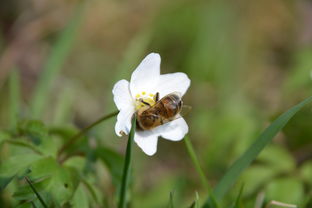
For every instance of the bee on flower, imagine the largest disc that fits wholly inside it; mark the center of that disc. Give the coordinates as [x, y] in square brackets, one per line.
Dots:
[156, 100]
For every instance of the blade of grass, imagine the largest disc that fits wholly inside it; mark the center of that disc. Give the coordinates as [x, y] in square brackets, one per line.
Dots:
[253, 151]
[171, 204]
[195, 161]
[14, 98]
[127, 168]
[195, 204]
[36, 192]
[237, 203]
[55, 62]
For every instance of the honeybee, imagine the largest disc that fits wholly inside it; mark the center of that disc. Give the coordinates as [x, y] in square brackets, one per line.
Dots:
[163, 111]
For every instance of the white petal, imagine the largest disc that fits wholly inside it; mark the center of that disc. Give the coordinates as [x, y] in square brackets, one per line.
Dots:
[174, 82]
[123, 123]
[146, 75]
[147, 141]
[174, 130]
[122, 96]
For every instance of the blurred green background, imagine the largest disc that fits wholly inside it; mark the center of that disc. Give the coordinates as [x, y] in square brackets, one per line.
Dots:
[248, 62]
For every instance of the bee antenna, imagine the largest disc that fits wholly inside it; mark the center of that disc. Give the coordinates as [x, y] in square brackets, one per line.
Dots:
[156, 98]
[146, 103]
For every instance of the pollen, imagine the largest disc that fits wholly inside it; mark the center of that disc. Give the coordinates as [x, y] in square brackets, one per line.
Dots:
[144, 99]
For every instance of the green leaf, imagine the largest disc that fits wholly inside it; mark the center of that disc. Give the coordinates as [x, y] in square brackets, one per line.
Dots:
[257, 176]
[17, 163]
[126, 170]
[253, 151]
[306, 172]
[55, 62]
[56, 184]
[277, 158]
[114, 162]
[286, 190]
[80, 199]
[4, 181]
[92, 190]
[24, 144]
[33, 130]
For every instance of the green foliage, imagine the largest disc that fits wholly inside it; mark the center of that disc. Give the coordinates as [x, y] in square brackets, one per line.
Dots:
[55, 62]
[233, 60]
[252, 152]
[238, 201]
[113, 161]
[286, 189]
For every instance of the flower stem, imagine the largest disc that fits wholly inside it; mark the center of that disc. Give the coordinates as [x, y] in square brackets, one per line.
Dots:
[76, 137]
[127, 167]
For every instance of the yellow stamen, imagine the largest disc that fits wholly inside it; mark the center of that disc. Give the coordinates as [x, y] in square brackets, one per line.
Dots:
[143, 93]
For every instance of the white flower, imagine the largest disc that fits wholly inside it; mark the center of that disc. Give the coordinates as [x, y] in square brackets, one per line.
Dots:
[145, 82]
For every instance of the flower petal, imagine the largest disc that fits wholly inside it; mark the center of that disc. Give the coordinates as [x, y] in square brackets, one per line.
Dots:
[122, 96]
[146, 75]
[174, 82]
[174, 130]
[147, 141]
[123, 124]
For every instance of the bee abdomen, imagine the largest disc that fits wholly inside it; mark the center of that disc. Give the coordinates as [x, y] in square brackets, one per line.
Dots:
[172, 104]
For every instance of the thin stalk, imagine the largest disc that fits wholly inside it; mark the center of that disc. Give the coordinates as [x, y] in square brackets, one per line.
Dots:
[195, 162]
[76, 137]
[36, 192]
[127, 167]
[199, 170]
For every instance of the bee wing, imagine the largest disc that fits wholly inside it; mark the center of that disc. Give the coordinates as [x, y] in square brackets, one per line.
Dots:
[185, 110]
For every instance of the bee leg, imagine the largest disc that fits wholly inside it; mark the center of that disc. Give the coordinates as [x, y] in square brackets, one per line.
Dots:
[156, 97]
[146, 103]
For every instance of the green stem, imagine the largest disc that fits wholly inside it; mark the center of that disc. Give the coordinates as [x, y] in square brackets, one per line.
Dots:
[198, 168]
[36, 192]
[195, 161]
[126, 170]
[76, 137]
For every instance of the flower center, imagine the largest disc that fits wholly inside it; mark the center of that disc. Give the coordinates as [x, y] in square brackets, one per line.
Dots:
[144, 99]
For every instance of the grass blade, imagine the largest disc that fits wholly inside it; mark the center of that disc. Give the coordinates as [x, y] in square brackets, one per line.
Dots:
[237, 203]
[212, 203]
[126, 170]
[253, 151]
[171, 204]
[14, 83]
[36, 192]
[195, 162]
[54, 63]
